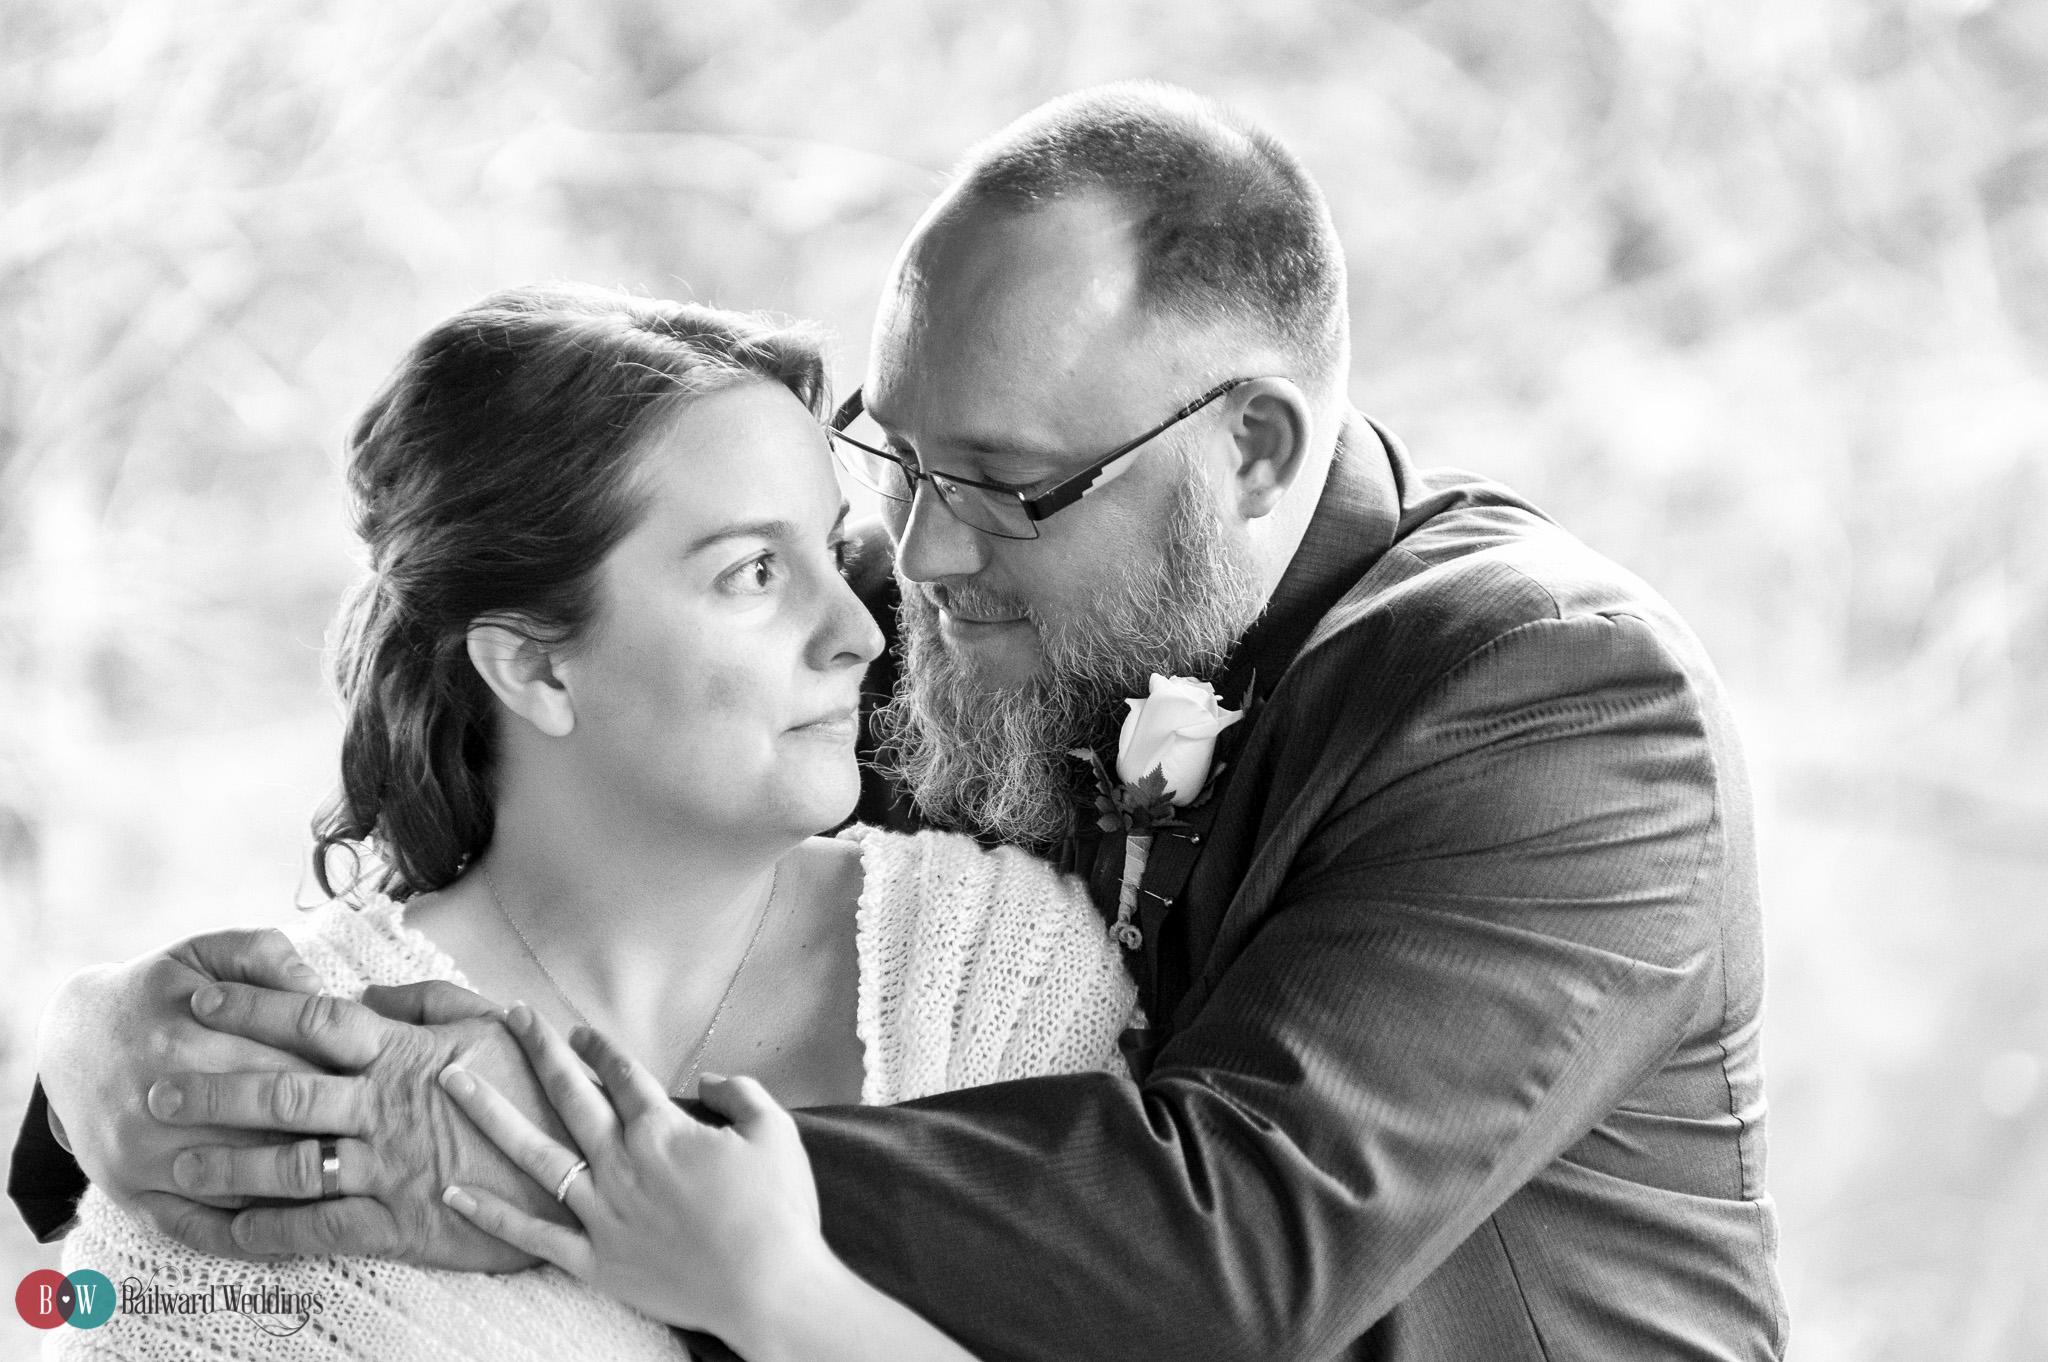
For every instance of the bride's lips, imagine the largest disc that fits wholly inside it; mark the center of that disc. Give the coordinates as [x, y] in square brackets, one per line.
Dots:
[839, 725]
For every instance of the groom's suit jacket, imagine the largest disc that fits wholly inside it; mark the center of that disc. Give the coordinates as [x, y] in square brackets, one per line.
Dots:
[1461, 1000]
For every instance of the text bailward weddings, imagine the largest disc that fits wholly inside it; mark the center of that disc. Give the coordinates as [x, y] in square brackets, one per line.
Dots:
[138, 1297]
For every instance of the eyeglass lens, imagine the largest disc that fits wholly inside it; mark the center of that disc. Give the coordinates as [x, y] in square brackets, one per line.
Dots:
[995, 513]
[872, 471]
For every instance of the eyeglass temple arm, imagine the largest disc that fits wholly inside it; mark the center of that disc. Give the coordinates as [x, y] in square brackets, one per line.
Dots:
[1074, 488]
[853, 406]
[1056, 498]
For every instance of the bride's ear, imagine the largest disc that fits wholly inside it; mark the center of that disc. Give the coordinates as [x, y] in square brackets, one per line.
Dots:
[521, 672]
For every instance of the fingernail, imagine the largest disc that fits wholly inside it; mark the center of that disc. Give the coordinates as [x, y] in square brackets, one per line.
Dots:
[164, 1100]
[460, 1200]
[304, 974]
[185, 1169]
[519, 1017]
[208, 1000]
[456, 1079]
[580, 1036]
[706, 1076]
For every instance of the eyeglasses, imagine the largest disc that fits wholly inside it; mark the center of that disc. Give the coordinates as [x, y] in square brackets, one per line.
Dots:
[989, 507]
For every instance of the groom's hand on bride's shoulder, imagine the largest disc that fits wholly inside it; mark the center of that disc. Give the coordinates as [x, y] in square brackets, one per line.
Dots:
[399, 1139]
[113, 1030]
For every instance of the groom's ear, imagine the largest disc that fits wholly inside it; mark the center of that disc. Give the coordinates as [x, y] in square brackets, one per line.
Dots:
[1271, 424]
[520, 671]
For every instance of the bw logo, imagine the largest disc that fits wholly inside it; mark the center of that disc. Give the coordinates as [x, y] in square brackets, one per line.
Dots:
[46, 1299]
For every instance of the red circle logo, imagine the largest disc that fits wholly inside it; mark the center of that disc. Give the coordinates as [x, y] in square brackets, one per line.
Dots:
[44, 1298]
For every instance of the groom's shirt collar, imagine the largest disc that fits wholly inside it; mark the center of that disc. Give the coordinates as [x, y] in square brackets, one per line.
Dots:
[1354, 523]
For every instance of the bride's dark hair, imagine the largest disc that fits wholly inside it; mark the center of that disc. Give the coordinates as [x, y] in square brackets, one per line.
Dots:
[490, 476]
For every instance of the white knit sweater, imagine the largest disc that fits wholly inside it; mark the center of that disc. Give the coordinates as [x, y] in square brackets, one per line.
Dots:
[975, 967]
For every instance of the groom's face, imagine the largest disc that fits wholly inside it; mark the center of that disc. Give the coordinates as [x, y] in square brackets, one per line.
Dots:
[1013, 348]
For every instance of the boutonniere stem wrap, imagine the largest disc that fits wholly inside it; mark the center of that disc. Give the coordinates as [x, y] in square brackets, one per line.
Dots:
[1164, 759]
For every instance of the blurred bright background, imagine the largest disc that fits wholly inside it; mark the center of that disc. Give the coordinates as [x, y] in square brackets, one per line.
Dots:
[1751, 294]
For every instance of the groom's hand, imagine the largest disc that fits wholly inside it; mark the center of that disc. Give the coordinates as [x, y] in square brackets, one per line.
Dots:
[112, 1030]
[401, 1141]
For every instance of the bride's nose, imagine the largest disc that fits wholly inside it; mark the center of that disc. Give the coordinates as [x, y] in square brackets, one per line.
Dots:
[847, 635]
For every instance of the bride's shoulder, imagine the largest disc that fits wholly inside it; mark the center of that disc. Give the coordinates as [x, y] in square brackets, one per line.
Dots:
[829, 860]
[929, 850]
[822, 872]
[949, 873]
[886, 863]
[352, 943]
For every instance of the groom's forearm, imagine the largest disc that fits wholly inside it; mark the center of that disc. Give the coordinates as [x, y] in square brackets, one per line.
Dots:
[1263, 1196]
[43, 1180]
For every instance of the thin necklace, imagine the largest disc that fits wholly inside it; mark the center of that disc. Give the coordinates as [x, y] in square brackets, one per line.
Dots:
[704, 1041]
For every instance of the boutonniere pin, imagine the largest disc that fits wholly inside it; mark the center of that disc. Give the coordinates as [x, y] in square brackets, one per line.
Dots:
[1164, 761]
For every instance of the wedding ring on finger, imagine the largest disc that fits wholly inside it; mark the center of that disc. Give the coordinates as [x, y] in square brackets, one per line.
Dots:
[330, 1169]
[562, 1187]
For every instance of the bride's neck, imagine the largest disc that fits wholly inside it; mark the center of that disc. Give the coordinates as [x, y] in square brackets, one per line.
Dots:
[614, 904]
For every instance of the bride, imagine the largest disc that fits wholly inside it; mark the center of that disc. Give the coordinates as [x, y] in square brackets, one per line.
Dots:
[601, 689]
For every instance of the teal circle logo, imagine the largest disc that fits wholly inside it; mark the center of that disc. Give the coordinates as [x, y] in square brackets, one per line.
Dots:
[92, 1299]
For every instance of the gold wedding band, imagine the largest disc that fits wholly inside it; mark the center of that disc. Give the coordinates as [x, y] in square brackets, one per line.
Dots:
[562, 1187]
[330, 1169]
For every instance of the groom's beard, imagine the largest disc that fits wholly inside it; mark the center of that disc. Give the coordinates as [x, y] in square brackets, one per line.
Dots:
[994, 761]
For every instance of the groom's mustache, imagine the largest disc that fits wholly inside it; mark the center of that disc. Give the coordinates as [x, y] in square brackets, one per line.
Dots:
[972, 603]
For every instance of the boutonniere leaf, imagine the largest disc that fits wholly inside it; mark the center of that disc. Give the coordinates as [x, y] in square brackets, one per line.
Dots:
[1131, 806]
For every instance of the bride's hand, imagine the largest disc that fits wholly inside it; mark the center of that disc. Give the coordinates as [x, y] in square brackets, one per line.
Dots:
[700, 1226]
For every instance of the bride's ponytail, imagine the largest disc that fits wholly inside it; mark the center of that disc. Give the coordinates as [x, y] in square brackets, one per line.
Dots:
[414, 751]
[491, 477]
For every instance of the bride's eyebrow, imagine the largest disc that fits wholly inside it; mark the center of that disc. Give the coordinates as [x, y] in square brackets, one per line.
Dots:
[761, 529]
[751, 529]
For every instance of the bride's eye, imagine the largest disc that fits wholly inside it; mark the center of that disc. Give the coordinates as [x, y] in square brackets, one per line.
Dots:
[755, 575]
[842, 554]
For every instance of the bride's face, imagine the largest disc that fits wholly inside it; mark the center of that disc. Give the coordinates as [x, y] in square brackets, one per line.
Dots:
[719, 683]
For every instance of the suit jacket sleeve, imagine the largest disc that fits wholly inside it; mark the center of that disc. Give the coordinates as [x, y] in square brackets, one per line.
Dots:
[1504, 922]
[43, 1180]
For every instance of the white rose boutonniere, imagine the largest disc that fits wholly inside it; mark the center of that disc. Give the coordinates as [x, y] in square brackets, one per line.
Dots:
[1164, 761]
[1173, 731]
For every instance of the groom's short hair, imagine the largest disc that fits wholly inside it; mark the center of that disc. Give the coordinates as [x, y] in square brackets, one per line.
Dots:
[1231, 228]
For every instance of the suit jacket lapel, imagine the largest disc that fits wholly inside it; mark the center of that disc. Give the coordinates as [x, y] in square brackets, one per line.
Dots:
[1286, 775]
[1353, 526]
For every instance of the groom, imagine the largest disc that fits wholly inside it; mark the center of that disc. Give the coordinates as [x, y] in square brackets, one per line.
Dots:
[1453, 980]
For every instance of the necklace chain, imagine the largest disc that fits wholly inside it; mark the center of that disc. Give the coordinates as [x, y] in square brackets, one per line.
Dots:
[704, 1041]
